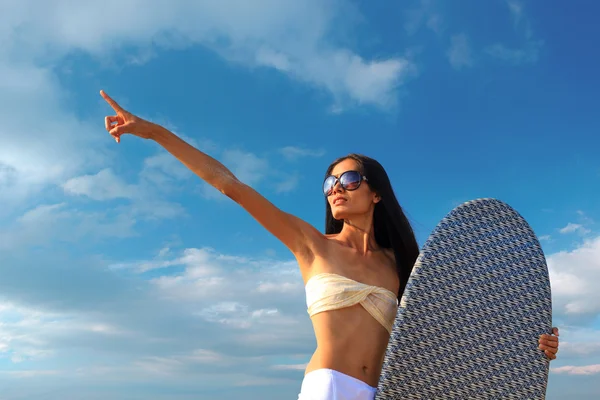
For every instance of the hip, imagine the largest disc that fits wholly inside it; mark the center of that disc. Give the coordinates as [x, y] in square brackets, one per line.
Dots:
[330, 384]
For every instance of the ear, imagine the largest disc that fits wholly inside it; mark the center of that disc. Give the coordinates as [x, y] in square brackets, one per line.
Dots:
[376, 198]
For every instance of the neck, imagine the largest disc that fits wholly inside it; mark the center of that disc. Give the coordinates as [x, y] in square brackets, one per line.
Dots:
[358, 233]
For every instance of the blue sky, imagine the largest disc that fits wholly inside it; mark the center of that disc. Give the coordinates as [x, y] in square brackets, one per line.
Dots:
[123, 276]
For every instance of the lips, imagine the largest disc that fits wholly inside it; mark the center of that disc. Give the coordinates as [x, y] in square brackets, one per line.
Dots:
[338, 200]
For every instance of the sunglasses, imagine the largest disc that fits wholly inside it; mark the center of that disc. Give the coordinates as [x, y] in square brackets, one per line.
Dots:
[349, 180]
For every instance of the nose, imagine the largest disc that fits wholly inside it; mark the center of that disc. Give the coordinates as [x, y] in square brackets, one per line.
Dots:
[337, 187]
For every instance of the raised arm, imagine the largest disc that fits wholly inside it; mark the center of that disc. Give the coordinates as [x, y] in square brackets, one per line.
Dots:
[299, 236]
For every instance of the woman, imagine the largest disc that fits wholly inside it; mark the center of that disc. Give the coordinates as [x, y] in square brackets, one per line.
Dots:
[354, 274]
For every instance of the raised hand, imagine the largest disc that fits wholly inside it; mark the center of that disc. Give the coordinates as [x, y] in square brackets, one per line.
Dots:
[549, 343]
[124, 122]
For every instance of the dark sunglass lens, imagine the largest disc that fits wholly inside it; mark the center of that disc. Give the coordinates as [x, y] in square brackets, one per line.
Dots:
[328, 185]
[350, 180]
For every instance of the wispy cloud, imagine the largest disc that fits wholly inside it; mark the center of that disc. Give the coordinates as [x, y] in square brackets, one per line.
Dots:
[572, 228]
[529, 53]
[164, 171]
[516, 11]
[424, 13]
[257, 170]
[45, 223]
[293, 153]
[246, 166]
[459, 53]
[287, 184]
[30, 373]
[584, 218]
[583, 349]
[104, 185]
[526, 54]
[147, 197]
[295, 367]
[578, 370]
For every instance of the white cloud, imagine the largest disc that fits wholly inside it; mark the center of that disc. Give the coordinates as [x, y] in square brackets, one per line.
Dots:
[516, 10]
[581, 349]
[272, 58]
[198, 261]
[236, 315]
[253, 171]
[579, 346]
[293, 153]
[162, 169]
[30, 373]
[573, 275]
[246, 166]
[424, 13]
[27, 333]
[42, 141]
[435, 22]
[294, 367]
[367, 82]
[288, 184]
[45, 223]
[104, 185]
[459, 53]
[584, 219]
[46, 143]
[243, 296]
[572, 228]
[211, 324]
[227, 289]
[147, 198]
[525, 55]
[529, 52]
[578, 370]
[276, 287]
[286, 35]
[218, 276]
[38, 215]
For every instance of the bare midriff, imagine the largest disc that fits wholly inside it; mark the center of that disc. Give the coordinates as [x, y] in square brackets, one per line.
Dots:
[350, 341]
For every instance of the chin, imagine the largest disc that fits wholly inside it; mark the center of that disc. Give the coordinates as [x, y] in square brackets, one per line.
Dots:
[339, 214]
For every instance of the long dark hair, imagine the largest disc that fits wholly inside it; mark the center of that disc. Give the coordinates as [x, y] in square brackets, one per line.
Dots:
[390, 225]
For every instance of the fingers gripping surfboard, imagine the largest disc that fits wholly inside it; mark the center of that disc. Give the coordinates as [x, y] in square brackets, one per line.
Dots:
[473, 310]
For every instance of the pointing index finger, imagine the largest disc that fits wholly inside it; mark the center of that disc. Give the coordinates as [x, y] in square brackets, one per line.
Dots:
[110, 101]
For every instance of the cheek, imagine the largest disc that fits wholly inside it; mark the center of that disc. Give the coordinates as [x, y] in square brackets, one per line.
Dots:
[362, 200]
[364, 195]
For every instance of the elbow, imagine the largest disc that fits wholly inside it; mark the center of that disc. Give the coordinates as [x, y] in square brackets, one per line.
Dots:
[231, 188]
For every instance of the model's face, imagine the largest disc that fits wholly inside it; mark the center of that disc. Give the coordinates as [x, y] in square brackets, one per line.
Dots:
[347, 203]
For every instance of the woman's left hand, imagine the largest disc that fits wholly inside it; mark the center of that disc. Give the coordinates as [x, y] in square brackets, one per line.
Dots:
[549, 343]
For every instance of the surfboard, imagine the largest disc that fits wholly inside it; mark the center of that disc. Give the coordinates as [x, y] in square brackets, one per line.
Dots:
[472, 312]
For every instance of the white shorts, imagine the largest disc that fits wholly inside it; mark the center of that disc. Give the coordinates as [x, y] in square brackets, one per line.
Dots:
[328, 384]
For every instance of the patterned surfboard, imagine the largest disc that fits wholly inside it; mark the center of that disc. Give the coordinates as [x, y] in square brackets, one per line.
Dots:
[473, 310]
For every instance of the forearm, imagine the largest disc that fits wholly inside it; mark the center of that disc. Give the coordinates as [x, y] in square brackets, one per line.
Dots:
[203, 165]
